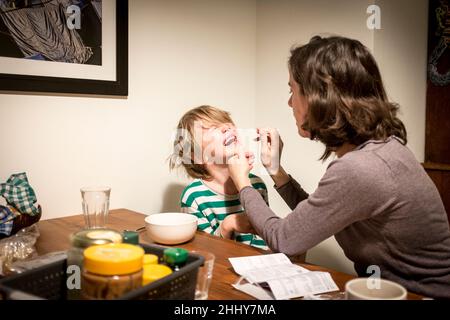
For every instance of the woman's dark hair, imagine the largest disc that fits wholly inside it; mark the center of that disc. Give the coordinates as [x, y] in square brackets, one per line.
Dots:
[345, 94]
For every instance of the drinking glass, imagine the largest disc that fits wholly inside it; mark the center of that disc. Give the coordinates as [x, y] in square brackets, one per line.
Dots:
[204, 275]
[95, 206]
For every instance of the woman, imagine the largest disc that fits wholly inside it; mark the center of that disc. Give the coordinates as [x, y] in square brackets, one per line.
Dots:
[375, 197]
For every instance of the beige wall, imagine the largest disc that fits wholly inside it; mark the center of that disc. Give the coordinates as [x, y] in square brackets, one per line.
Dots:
[400, 48]
[232, 54]
[182, 54]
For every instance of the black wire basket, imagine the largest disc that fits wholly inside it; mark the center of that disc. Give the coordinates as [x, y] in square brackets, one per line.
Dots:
[49, 282]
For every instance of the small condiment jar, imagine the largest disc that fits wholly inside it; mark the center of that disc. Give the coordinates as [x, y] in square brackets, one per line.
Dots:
[175, 258]
[153, 272]
[150, 259]
[131, 237]
[111, 270]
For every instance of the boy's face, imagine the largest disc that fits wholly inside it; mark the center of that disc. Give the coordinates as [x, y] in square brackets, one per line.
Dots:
[219, 142]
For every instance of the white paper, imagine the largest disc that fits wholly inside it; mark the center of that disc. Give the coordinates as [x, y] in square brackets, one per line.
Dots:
[253, 290]
[243, 264]
[285, 279]
[271, 273]
[302, 285]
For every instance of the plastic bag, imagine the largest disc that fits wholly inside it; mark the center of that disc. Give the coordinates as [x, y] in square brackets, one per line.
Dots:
[39, 261]
[18, 247]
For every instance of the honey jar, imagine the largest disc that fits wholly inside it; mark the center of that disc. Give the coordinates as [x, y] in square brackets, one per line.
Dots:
[82, 240]
[111, 270]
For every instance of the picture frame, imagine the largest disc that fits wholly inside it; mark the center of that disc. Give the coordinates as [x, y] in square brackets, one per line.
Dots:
[118, 86]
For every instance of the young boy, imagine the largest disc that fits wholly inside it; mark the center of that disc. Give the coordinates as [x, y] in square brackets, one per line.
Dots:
[206, 138]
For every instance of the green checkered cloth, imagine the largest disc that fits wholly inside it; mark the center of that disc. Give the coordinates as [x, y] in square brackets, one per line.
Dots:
[19, 194]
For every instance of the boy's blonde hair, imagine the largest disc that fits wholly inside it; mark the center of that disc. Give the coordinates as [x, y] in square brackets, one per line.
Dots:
[185, 137]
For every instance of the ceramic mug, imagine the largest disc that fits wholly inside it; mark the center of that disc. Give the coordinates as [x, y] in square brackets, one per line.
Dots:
[374, 289]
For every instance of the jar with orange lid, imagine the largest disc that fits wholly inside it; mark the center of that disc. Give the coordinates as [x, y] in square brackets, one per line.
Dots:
[111, 270]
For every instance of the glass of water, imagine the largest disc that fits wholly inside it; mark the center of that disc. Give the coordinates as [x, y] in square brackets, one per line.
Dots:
[95, 201]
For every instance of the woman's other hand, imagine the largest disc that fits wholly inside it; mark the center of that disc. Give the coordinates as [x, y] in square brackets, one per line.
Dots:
[239, 167]
[271, 150]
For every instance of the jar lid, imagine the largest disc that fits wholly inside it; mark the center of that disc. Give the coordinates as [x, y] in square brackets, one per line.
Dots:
[113, 259]
[174, 256]
[90, 237]
[150, 259]
[131, 237]
[153, 272]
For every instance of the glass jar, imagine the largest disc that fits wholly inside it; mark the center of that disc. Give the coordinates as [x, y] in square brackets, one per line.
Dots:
[82, 240]
[86, 238]
[111, 270]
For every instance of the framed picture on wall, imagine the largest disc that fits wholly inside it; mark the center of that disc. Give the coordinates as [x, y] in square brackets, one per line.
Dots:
[64, 46]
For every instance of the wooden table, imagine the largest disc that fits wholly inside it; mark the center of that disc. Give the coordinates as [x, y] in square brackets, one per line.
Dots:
[55, 237]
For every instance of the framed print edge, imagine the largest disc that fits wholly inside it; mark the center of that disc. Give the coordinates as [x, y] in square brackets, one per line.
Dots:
[18, 83]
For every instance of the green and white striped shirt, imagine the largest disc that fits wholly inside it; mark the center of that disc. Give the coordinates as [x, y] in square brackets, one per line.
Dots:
[211, 208]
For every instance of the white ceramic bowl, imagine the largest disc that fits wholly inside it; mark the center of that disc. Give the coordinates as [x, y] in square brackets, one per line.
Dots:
[171, 227]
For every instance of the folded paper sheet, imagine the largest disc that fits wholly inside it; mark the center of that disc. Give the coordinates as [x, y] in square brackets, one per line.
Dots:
[273, 276]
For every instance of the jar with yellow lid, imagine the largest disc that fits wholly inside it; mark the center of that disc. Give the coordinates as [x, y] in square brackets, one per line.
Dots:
[111, 270]
[84, 239]
[153, 272]
[150, 259]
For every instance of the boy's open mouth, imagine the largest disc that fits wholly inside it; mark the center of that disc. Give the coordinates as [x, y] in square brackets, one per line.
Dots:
[230, 139]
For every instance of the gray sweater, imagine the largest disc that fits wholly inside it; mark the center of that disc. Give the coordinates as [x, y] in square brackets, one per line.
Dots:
[383, 210]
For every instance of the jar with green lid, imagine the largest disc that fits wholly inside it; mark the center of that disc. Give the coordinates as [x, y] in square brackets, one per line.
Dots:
[175, 258]
[131, 237]
[111, 270]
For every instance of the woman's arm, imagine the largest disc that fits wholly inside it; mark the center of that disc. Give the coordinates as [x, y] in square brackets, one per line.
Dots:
[342, 198]
[280, 178]
[292, 193]
[345, 195]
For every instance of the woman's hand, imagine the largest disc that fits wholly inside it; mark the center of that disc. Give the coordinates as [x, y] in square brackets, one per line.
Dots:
[239, 167]
[271, 149]
[237, 222]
